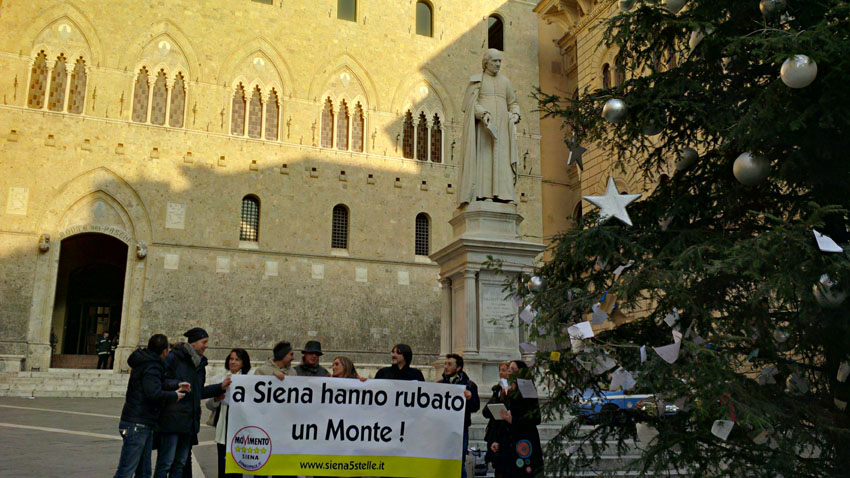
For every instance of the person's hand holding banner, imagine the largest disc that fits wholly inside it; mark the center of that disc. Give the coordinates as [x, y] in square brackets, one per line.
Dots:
[341, 427]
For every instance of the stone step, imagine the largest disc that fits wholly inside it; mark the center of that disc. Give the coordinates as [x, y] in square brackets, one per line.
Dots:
[64, 383]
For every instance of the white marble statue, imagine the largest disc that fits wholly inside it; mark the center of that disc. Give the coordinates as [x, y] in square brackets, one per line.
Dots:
[489, 151]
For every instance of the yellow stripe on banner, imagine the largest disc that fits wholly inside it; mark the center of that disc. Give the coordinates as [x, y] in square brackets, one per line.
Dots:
[334, 465]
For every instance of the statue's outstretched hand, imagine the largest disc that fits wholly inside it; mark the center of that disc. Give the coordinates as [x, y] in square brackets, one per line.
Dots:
[515, 118]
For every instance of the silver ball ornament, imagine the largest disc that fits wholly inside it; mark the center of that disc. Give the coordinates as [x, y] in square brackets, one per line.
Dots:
[770, 8]
[614, 110]
[798, 71]
[750, 169]
[688, 157]
[825, 293]
[675, 5]
[626, 5]
[536, 283]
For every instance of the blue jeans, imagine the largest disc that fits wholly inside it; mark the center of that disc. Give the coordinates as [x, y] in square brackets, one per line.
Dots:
[465, 451]
[172, 454]
[136, 450]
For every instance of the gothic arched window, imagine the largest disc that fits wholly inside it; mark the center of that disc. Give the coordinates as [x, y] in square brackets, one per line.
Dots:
[58, 81]
[422, 138]
[436, 140]
[237, 111]
[358, 129]
[255, 114]
[77, 96]
[178, 102]
[272, 116]
[408, 133]
[141, 92]
[38, 82]
[160, 99]
[342, 126]
[328, 124]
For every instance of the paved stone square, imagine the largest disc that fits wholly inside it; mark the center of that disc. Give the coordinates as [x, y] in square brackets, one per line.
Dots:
[74, 438]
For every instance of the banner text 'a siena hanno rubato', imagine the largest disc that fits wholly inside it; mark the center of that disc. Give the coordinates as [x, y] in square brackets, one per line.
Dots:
[344, 427]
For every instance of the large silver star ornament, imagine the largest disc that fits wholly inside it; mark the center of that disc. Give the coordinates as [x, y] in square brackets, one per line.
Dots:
[613, 204]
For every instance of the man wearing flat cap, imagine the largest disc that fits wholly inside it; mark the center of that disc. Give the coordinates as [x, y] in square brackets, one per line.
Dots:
[180, 422]
[310, 361]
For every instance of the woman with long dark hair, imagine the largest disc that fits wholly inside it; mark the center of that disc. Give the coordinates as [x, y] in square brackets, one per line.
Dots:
[520, 448]
[237, 363]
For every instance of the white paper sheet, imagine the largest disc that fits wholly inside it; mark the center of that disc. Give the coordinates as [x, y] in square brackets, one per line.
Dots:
[621, 378]
[766, 377]
[843, 371]
[642, 353]
[582, 330]
[672, 318]
[528, 348]
[619, 270]
[527, 315]
[670, 353]
[722, 428]
[602, 364]
[826, 244]
[495, 408]
[646, 434]
[526, 388]
[599, 316]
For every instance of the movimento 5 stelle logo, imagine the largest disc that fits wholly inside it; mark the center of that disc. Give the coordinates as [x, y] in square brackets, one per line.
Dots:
[251, 448]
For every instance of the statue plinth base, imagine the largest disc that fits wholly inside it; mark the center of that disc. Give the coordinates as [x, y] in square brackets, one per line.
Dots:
[478, 321]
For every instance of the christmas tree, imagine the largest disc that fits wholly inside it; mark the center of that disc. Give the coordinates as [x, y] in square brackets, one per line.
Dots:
[732, 310]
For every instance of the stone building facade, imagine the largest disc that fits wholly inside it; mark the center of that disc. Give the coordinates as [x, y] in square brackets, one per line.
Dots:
[275, 169]
[574, 59]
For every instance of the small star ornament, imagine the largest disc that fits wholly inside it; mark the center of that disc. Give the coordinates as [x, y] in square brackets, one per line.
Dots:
[576, 151]
[613, 204]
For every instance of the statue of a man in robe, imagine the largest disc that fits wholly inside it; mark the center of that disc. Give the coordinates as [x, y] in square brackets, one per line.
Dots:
[489, 151]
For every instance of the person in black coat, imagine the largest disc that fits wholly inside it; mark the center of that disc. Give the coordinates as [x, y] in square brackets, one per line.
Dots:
[497, 430]
[400, 369]
[180, 423]
[147, 391]
[523, 454]
[453, 373]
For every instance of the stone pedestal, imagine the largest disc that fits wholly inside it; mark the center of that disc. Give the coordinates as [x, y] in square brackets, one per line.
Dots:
[478, 321]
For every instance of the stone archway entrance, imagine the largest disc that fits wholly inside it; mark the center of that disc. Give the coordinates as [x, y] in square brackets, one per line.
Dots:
[100, 204]
[89, 295]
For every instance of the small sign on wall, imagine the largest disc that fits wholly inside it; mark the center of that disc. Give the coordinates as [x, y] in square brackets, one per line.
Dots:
[175, 217]
[16, 204]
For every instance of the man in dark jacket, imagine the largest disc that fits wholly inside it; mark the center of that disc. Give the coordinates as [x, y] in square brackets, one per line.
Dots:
[180, 423]
[453, 373]
[310, 361]
[402, 354]
[104, 348]
[145, 396]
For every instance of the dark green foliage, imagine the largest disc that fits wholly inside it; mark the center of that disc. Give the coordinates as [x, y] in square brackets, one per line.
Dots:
[738, 262]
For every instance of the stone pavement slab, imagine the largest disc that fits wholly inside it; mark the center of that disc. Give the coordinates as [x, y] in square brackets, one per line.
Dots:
[74, 438]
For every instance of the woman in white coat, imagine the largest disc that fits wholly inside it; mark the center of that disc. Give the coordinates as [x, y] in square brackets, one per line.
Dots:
[237, 363]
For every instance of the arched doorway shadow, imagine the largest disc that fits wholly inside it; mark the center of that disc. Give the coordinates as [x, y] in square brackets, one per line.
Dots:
[89, 295]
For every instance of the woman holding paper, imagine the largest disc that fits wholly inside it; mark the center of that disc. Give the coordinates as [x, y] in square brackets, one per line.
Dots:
[520, 445]
[497, 429]
[237, 363]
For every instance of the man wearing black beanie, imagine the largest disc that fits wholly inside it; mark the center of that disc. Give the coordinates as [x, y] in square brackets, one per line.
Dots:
[180, 422]
[280, 364]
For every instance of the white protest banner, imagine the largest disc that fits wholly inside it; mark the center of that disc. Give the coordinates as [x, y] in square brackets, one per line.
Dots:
[344, 427]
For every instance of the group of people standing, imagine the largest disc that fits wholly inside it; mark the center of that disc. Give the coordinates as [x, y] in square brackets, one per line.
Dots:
[163, 408]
